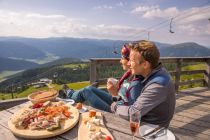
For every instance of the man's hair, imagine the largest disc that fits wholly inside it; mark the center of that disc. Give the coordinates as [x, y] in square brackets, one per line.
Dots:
[148, 50]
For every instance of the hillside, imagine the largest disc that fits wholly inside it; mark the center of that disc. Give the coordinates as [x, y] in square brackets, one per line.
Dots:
[10, 66]
[185, 50]
[19, 50]
[61, 61]
[7, 64]
[60, 74]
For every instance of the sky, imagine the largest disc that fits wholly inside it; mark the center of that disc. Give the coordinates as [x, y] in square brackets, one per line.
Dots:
[108, 19]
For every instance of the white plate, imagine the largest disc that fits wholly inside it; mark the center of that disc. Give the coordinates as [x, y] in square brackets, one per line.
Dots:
[69, 101]
[83, 110]
[163, 135]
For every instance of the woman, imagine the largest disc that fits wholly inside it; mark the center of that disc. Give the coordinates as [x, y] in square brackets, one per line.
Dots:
[127, 89]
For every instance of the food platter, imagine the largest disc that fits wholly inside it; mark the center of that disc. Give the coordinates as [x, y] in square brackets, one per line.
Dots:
[65, 125]
[86, 132]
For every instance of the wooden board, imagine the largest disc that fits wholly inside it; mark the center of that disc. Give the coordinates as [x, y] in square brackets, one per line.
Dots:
[37, 134]
[83, 129]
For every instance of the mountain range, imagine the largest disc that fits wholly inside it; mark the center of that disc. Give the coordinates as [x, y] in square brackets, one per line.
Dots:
[13, 48]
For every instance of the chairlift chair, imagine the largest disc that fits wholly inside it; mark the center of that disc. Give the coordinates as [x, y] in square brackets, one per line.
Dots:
[170, 30]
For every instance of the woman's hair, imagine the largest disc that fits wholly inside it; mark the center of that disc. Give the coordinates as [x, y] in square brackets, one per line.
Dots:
[125, 52]
[148, 50]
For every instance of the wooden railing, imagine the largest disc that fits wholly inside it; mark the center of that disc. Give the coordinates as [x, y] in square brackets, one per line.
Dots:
[95, 62]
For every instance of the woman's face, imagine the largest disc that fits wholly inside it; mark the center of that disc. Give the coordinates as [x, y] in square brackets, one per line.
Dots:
[125, 64]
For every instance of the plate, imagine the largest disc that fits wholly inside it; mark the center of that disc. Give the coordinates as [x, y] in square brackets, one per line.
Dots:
[69, 101]
[169, 136]
[83, 129]
[39, 134]
[83, 110]
[164, 135]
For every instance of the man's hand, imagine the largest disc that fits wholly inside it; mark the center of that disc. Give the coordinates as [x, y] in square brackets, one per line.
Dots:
[112, 89]
[113, 107]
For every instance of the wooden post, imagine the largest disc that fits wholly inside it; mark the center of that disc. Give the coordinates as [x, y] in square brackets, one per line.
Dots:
[12, 92]
[178, 73]
[93, 72]
[207, 76]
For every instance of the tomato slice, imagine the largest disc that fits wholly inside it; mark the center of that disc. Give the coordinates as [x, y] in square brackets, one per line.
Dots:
[108, 138]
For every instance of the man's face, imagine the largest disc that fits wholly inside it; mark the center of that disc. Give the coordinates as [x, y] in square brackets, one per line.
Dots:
[135, 65]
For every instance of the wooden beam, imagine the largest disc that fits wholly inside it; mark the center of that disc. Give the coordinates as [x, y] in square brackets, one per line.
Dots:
[177, 75]
[207, 75]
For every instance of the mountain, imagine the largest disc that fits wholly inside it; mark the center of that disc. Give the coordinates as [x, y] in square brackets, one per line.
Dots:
[84, 48]
[14, 49]
[7, 64]
[189, 49]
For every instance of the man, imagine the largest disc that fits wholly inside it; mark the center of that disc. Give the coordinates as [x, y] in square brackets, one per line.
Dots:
[156, 102]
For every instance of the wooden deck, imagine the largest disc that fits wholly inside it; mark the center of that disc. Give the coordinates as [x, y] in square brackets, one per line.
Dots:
[191, 120]
[192, 115]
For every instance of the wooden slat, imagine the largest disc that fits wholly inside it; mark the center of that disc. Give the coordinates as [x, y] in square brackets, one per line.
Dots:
[119, 135]
[6, 134]
[185, 134]
[192, 72]
[72, 134]
[191, 81]
[4, 117]
[197, 99]
[194, 128]
[118, 125]
[200, 122]
[194, 105]
[173, 73]
[190, 111]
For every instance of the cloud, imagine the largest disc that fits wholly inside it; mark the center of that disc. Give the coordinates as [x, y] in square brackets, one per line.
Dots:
[194, 14]
[35, 15]
[103, 7]
[151, 12]
[192, 21]
[121, 4]
[41, 26]
[141, 9]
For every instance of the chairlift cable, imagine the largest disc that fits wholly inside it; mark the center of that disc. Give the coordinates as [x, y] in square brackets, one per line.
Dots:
[168, 20]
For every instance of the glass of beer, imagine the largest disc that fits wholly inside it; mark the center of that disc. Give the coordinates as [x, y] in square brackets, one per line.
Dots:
[134, 122]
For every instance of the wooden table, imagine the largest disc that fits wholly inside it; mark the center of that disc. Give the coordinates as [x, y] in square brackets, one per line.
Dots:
[117, 126]
[191, 120]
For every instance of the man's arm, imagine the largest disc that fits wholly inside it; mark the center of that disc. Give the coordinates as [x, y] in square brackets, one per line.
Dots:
[151, 97]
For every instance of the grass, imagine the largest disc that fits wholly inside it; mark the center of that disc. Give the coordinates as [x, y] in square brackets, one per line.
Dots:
[74, 66]
[198, 66]
[75, 86]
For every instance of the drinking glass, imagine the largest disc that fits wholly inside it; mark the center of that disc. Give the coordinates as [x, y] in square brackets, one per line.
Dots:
[134, 122]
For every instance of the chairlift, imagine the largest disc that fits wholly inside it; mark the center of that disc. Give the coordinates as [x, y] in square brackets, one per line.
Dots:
[170, 30]
[114, 49]
[115, 52]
